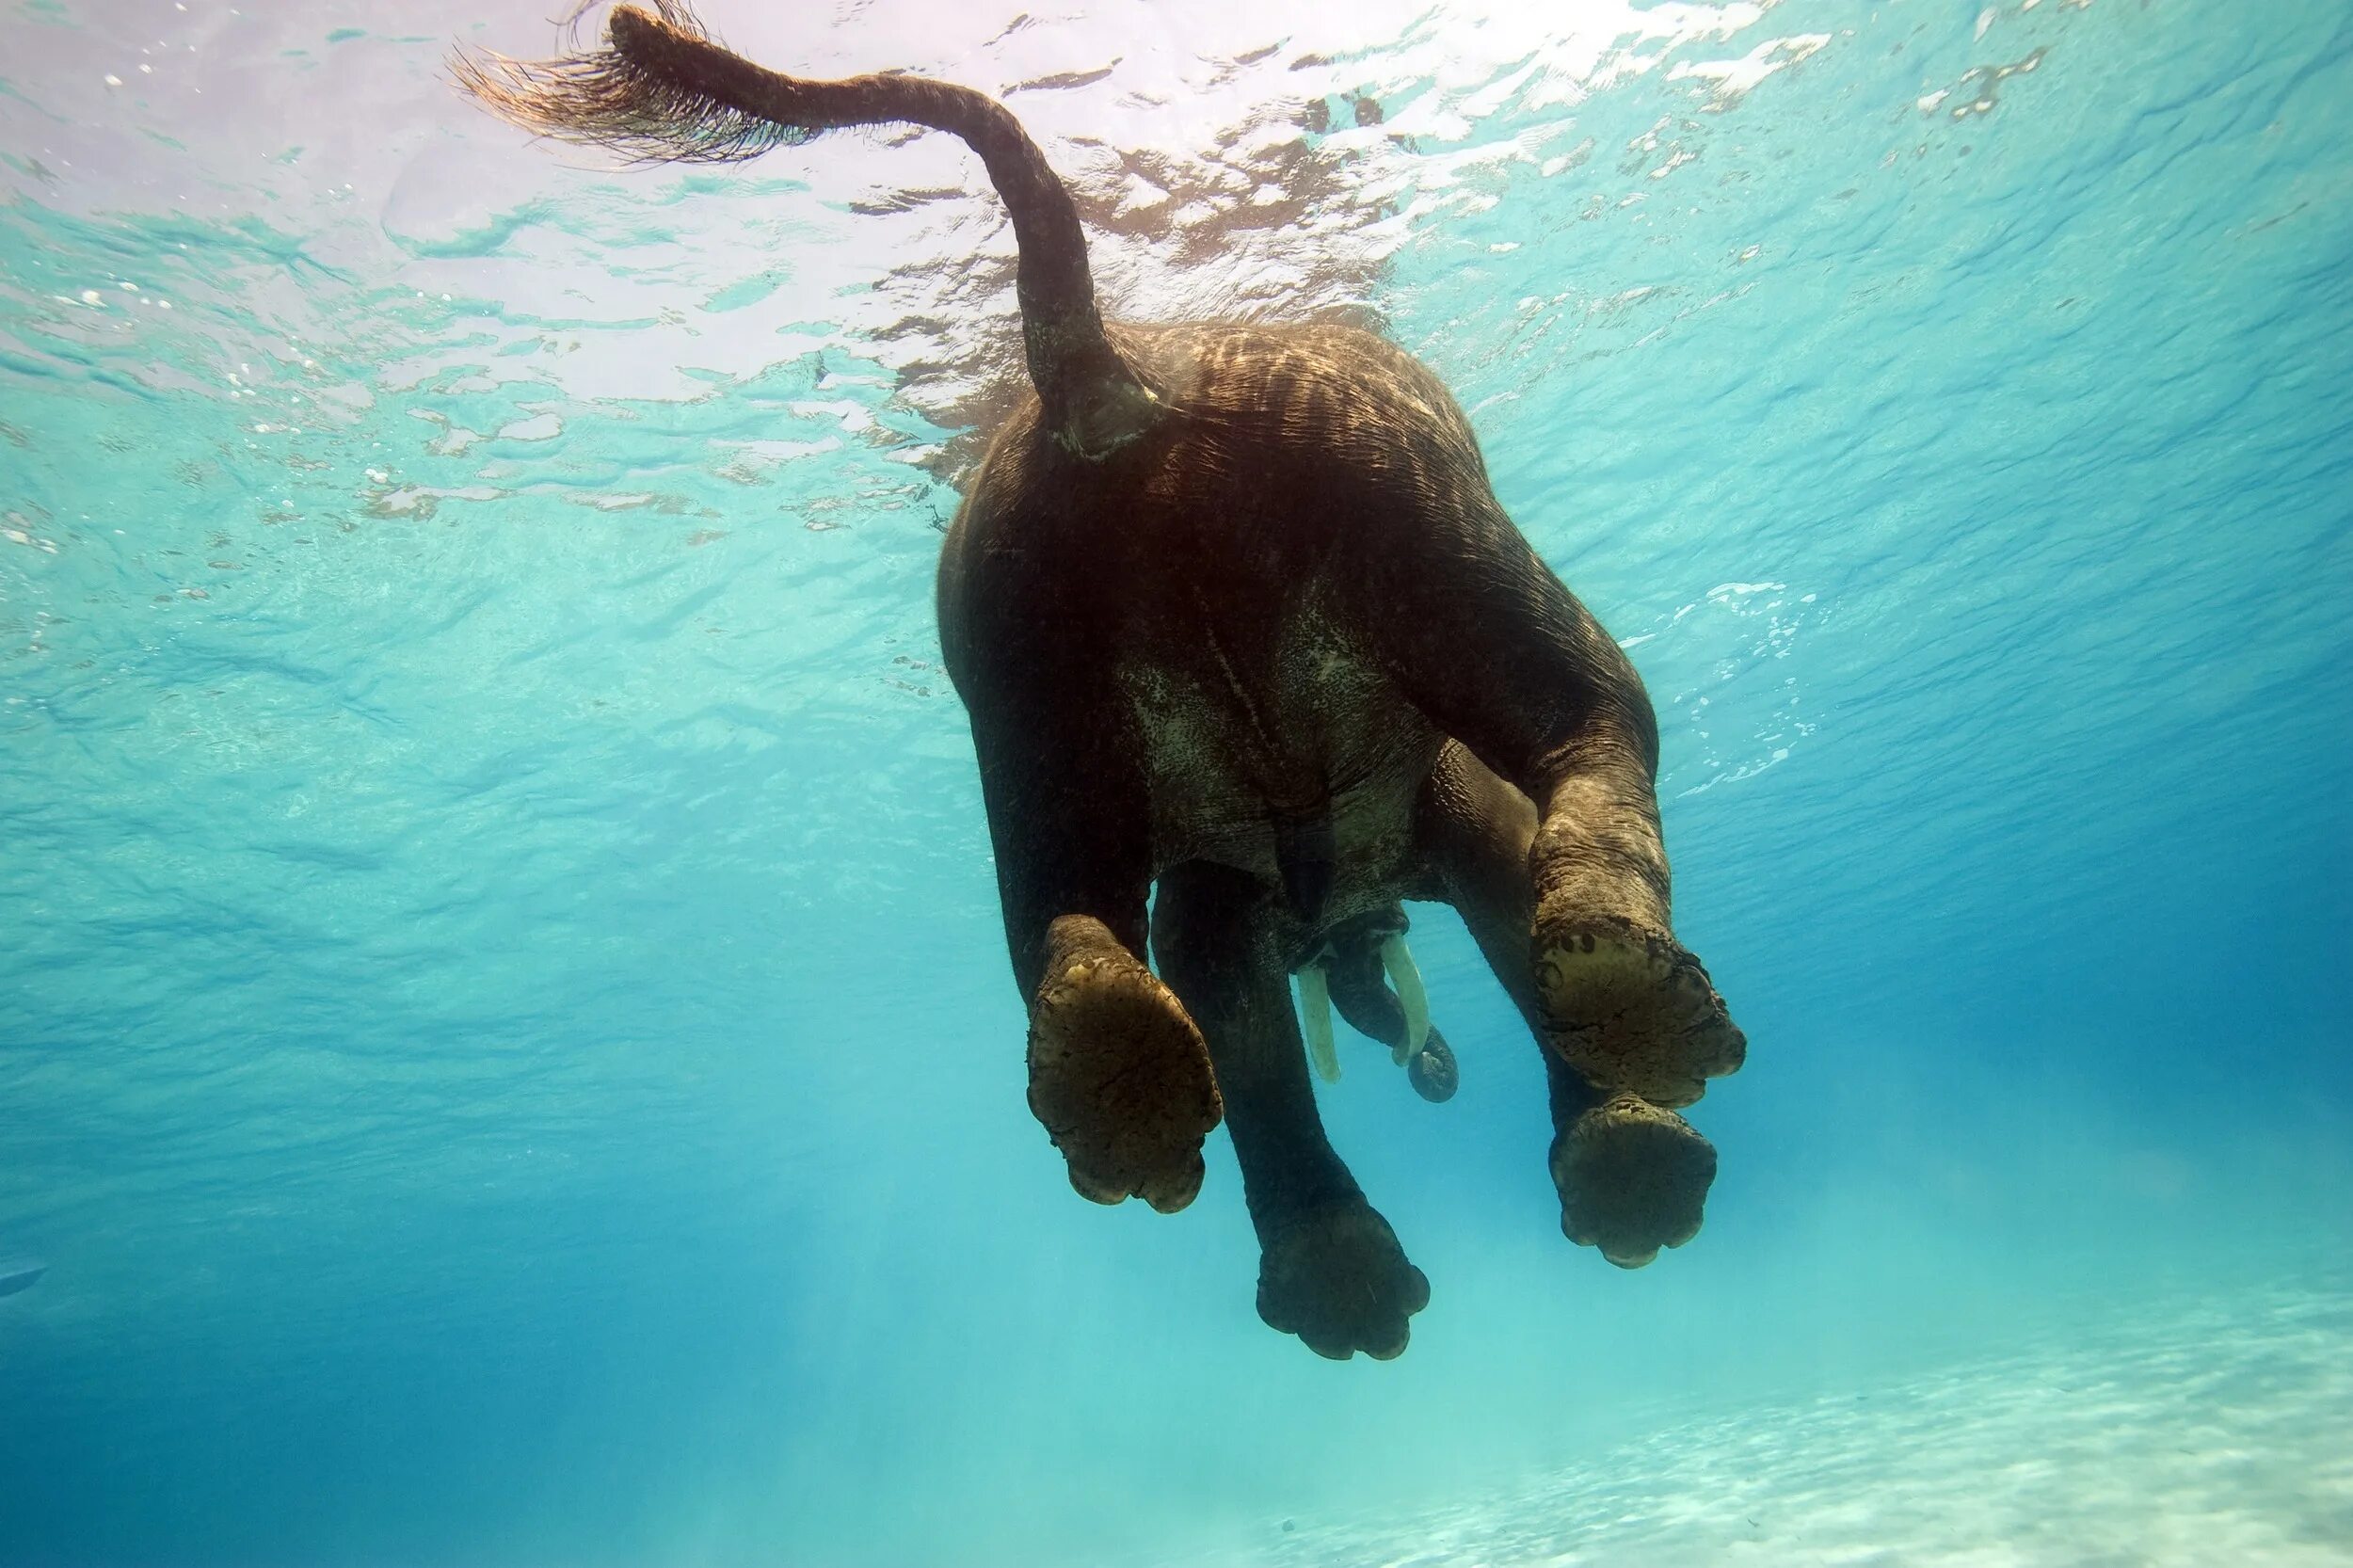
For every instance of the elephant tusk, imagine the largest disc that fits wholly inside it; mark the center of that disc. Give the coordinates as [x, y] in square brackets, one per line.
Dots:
[1410, 995]
[1315, 1012]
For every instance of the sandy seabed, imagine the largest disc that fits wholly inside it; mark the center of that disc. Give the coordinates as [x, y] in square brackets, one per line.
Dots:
[2218, 1437]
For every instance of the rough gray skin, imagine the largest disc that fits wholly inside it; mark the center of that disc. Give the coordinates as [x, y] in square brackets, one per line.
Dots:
[1284, 654]
[1235, 611]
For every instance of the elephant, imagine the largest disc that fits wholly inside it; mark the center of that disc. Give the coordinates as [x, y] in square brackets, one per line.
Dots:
[1252, 653]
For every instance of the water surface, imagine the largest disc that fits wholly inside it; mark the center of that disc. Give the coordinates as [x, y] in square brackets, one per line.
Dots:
[506, 1046]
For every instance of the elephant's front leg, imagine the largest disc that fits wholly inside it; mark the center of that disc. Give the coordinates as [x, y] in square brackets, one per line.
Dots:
[1331, 1270]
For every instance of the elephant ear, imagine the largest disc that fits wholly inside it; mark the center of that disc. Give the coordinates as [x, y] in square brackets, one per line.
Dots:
[1314, 1022]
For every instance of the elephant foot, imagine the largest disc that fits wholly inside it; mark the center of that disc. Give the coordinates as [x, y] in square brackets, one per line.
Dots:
[1630, 1010]
[1121, 1080]
[1335, 1276]
[1633, 1178]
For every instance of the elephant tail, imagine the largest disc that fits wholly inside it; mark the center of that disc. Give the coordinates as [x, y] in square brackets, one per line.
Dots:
[660, 91]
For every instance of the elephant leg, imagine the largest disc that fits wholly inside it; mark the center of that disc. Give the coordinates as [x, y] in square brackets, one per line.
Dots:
[1119, 1076]
[1331, 1270]
[1632, 1177]
[1488, 644]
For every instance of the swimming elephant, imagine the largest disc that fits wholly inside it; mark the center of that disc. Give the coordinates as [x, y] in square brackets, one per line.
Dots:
[1245, 638]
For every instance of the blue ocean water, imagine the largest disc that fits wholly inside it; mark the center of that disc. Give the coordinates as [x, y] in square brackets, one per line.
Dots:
[506, 1046]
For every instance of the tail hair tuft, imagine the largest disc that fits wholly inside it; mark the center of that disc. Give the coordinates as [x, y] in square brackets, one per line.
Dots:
[608, 96]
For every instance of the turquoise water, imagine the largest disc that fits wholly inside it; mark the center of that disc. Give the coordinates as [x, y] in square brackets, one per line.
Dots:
[505, 1045]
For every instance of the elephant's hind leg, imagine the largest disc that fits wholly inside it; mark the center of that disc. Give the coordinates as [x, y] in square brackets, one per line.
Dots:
[1627, 1005]
[1118, 1075]
[1331, 1270]
[1633, 1178]
[1500, 656]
